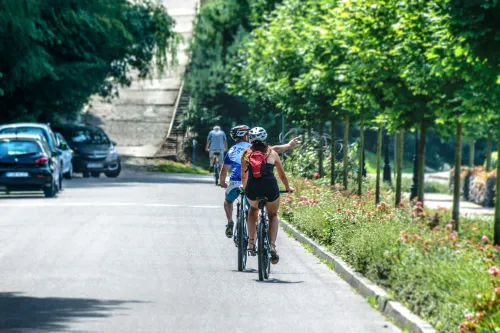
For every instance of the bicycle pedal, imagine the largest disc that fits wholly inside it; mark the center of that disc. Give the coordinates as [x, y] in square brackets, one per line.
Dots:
[252, 252]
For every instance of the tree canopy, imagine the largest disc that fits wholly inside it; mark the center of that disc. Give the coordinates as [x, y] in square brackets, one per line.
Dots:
[55, 54]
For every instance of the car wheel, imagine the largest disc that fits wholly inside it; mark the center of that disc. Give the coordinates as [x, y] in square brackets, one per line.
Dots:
[69, 174]
[50, 192]
[114, 173]
[86, 175]
[95, 174]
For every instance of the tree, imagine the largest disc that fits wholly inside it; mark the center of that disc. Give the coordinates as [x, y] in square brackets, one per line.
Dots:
[57, 54]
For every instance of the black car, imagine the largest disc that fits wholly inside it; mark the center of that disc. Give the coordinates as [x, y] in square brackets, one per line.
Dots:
[28, 164]
[93, 152]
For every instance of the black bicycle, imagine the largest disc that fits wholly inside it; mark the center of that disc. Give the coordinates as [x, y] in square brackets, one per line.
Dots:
[216, 167]
[263, 244]
[241, 231]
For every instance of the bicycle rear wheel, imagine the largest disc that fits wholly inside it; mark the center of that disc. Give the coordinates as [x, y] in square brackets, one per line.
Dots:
[216, 173]
[262, 252]
[242, 242]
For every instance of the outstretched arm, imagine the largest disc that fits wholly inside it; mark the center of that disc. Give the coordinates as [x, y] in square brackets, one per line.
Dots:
[283, 148]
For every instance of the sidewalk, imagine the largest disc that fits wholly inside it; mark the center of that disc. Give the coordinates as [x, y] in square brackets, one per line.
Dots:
[433, 200]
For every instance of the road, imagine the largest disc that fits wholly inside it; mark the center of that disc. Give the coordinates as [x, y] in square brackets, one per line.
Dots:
[147, 253]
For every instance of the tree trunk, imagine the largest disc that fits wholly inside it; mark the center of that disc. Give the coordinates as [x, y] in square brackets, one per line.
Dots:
[421, 161]
[320, 150]
[345, 149]
[472, 152]
[379, 160]
[456, 180]
[360, 152]
[332, 152]
[399, 167]
[497, 200]
[489, 149]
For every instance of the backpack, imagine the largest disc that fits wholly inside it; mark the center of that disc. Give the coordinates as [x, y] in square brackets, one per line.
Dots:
[257, 160]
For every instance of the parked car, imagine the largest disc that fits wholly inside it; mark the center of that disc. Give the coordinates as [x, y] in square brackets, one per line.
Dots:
[38, 129]
[93, 152]
[27, 163]
[67, 156]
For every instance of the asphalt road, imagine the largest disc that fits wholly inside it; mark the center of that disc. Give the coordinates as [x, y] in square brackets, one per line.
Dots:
[147, 253]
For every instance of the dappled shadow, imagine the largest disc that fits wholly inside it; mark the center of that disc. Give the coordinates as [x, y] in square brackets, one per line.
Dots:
[51, 314]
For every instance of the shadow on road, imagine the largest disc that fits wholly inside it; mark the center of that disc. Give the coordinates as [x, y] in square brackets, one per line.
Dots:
[278, 281]
[51, 314]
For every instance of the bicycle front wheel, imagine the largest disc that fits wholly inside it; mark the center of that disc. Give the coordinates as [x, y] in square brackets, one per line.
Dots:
[242, 243]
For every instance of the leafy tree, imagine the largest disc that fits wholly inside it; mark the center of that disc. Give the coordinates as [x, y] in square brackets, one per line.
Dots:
[56, 54]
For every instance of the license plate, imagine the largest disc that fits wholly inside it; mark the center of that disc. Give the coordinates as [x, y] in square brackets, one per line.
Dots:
[95, 165]
[17, 175]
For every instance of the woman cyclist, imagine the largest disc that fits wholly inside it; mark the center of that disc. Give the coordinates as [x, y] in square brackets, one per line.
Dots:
[263, 184]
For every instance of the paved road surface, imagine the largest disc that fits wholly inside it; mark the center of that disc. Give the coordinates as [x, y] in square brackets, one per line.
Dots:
[147, 253]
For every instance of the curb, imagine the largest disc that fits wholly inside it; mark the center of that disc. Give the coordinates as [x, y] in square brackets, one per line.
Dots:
[403, 317]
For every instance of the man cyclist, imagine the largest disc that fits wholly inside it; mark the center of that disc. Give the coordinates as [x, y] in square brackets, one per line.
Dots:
[216, 144]
[233, 160]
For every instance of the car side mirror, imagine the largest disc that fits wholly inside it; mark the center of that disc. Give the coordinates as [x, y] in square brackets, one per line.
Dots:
[63, 146]
[113, 143]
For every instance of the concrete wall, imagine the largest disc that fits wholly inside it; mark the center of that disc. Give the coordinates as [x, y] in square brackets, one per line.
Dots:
[139, 119]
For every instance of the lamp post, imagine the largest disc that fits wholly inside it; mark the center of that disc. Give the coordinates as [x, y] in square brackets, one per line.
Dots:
[414, 186]
[387, 165]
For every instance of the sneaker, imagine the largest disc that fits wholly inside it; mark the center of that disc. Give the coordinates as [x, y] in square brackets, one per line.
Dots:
[229, 229]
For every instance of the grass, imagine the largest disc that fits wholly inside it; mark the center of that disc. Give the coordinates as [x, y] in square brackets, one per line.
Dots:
[176, 167]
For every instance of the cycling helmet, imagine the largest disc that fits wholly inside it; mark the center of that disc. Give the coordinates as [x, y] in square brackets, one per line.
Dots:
[257, 134]
[239, 132]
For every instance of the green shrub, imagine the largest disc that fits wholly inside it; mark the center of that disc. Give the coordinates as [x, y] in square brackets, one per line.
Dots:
[414, 253]
[175, 167]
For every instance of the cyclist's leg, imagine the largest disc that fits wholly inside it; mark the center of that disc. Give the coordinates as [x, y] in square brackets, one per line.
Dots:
[253, 216]
[231, 195]
[272, 213]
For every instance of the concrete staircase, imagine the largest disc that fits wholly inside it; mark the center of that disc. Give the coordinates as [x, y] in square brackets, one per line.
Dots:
[145, 114]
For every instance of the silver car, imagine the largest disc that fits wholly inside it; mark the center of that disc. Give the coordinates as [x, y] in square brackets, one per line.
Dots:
[67, 156]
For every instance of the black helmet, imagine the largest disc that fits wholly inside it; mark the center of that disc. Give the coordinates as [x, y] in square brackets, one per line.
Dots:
[239, 132]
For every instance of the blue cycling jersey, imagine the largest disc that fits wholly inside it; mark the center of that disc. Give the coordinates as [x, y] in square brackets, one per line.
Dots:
[233, 159]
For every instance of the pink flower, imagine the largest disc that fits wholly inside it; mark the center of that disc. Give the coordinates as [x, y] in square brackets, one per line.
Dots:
[469, 316]
[317, 175]
[420, 204]
[497, 290]
[493, 271]
[303, 198]
[449, 226]
[417, 237]
[484, 239]
[453, 221]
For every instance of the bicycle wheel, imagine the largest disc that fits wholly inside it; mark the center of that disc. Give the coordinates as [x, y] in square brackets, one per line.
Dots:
[216, 173]
[267, 257]
[261, 253]
[242, 242]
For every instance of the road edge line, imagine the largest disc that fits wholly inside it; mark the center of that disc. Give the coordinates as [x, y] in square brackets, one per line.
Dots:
[401, 315]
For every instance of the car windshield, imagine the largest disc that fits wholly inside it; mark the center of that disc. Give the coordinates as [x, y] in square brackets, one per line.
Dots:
[18, 148]
[89, 136]
[22, 130]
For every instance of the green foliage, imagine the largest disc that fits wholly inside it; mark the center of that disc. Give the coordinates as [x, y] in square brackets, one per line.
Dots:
[57, 54]
[414, 253]
[176, 167]
[494, 160]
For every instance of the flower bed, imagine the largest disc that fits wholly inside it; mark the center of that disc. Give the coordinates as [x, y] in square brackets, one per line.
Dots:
[415, 254]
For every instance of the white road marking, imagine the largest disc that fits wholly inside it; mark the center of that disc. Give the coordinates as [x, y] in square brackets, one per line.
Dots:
[97, 204]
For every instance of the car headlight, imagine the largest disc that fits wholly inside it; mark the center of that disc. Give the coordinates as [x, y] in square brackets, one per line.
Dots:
[112, 155]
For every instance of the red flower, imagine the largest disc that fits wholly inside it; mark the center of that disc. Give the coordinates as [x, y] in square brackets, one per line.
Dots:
[317, 175]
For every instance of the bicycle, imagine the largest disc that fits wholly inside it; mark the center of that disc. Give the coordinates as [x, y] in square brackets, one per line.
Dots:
[216, 167]
[263, 244]
[241, 231]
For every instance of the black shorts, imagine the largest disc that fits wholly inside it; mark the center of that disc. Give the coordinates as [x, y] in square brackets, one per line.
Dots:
[259, 188]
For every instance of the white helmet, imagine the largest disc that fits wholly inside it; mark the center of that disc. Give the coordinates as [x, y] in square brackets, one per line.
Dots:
[257, 134]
